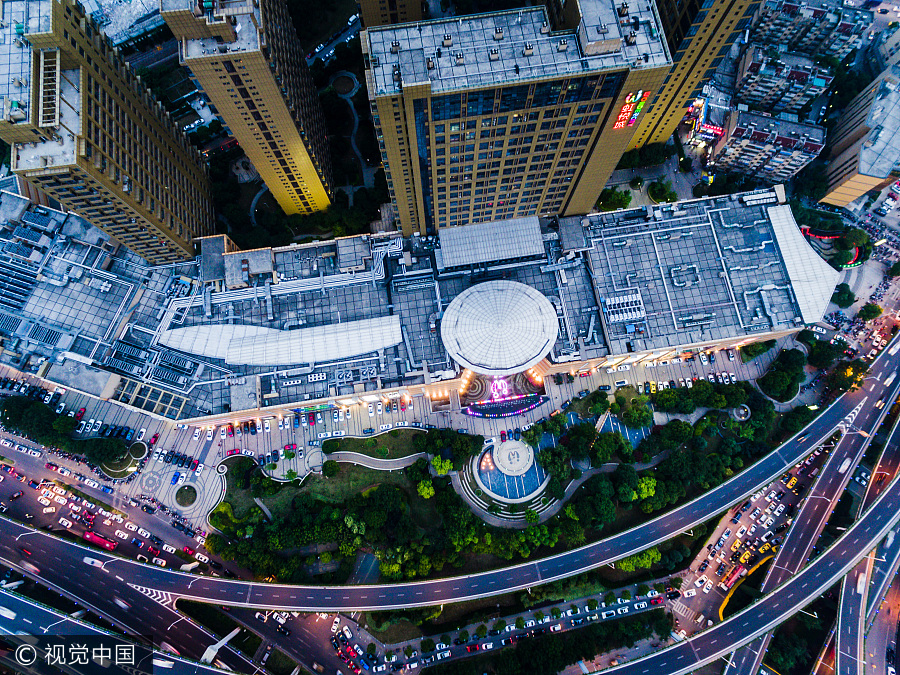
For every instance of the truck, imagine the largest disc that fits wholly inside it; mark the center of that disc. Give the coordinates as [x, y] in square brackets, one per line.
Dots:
[733, 576]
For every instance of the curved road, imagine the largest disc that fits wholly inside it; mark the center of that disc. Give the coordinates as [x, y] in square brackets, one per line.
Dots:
[802, 589]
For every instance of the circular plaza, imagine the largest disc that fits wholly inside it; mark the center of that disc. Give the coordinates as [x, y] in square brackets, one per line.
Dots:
[507, 471]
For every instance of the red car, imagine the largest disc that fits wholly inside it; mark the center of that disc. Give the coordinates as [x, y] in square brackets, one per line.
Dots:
[154, 438]
[188, 550]
[472, 648]
[312, 419]
[194, 464]
[229, 430]
[290, 446]
[51, 466]
[502, 435]
[656, 601]
[79, 414]
[403, 406]
[152, 550]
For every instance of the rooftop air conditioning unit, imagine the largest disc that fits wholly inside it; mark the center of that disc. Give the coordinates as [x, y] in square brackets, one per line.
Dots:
[494, 54]
[498, 33]
[545, 28]
[448, 40]
[528, 50]
[563, 45]
[395, 47]
[460, 59]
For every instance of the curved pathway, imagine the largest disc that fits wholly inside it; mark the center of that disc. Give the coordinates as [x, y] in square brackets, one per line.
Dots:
[375, 462]
[256, 198]
[368, 174]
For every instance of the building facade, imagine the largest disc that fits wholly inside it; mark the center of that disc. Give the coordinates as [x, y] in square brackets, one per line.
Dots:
[779, 82]
[812, 27]
[247, 58]
[384, 12]
[865, 143]
[772, 149]
[495, 116]
[86, 132]
[699, 37]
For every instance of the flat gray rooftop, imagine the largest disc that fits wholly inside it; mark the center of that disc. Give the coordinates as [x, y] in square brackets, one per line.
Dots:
[701, 271]
[465, 52]
[880, 155]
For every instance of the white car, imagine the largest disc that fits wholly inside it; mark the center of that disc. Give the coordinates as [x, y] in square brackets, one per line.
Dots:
[267, 427]
[780, 509]
[756, 495]
[643, 605]
[209, 433]
[97, 425]
[131, 526]
[50, 509]
[121, 535]
[65, 523]
[141, 531]
[379, 408]
[222, 433]
[690, 593]
[708, 587]
[59, 500]
[702, 580]
[371, 410]
[168, 548]
[202, 558]
[43, 501]
[159, 561]
[141, 434]
[199, 469]
[336, 624]
[197, 434]
[182, 478]
[769, 522]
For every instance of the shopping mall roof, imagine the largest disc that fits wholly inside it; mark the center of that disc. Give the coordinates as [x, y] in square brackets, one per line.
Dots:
[243, 344]
[499, 327]
[701, 271]
[513, 239]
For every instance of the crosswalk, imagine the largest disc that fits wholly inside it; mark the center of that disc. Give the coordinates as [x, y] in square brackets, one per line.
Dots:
[680, 608]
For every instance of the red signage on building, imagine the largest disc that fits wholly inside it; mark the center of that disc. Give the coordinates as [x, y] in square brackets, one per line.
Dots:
[628, 115]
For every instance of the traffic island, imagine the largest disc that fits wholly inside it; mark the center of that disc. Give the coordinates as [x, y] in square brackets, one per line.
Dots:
[186, 495]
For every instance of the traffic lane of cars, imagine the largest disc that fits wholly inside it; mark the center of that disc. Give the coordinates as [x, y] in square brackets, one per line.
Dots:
[102, 589]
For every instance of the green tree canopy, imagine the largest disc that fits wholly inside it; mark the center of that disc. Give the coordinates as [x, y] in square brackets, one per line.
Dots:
[868, 312]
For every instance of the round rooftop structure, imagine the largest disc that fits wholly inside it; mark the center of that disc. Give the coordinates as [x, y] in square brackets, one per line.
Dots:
[499, 328]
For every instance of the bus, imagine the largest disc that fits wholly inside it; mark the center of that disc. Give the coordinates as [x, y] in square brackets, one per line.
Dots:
[100, 540]
[728, 581]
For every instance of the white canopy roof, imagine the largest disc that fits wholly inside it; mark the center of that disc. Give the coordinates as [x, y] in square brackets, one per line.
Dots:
[499, 327]
[260, 346]
[812, 279]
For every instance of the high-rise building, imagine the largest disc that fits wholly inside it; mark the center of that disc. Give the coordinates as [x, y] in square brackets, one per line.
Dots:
[699, 37]
[778, 81]
[384, 12]
[246, 56]
[495, 116]
[772, 149]
[89, 134]
[812, 27]
[865, 143]
[885, 51]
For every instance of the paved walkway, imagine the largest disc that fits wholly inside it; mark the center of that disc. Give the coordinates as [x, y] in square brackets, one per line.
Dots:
[265, 509]
[682, 183]
[256, 198]
[368, 172]
[375, 462]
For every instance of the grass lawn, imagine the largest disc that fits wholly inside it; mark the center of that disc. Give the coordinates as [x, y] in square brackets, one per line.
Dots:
[398, 632]
[128, 464]
[350, 481]
[394, 444]
[186, 495]
[221, 624]
[280, 663]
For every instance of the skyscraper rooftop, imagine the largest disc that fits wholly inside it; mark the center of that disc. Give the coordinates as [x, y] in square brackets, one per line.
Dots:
[484, 50]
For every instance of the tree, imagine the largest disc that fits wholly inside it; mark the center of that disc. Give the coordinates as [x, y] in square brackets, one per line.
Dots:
[372, 648]
[531, 516]
[499, 625]
[330, 468]
[868, 312]
[442, 466]
[847, 376]
[481, 631]
[853, 238]
[843, 297]
[427, 645]
[463, 635]
[611, 199]
[894, 270]
[646, 487]
[425, 489]
[520, 623]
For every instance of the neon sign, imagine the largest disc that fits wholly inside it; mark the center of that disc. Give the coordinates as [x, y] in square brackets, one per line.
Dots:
[632, 107]
[713, 129]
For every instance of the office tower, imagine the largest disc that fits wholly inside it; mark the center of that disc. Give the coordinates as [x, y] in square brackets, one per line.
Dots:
[493, 116]
[772, 149]
[246, 56]
[384, 12]
[865, 143]
[778, 81]
[813, 27]
[699, 37]
[89, 134]
[885, 49]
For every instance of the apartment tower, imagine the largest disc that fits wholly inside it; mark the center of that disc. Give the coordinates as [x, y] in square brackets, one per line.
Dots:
[246, 56]
[865, 143]
[496, 116]
[86, 131]
[699, 36]
[384, 12]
